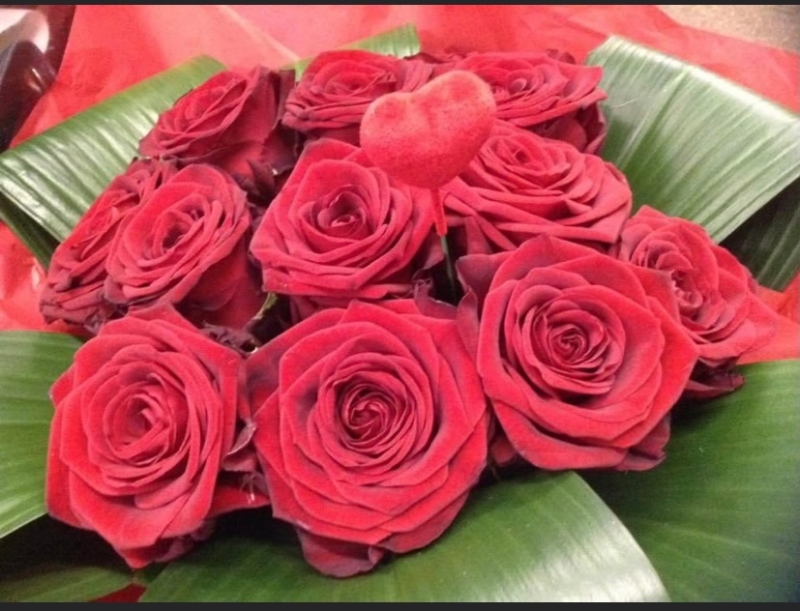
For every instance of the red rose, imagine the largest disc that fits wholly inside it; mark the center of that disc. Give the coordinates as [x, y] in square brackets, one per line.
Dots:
[718, 306]
[371, 427]
[335, 90]
[529, 185]
[143, 419]
[73, 289]
[232, 121]
[342, 229]
[186, 244]
[582, 364]
[547, 93]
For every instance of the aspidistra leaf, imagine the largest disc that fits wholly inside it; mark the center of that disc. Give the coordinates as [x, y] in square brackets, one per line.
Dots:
[699, 146]
[41, 243]
[768, 243]
[31, 363]
[536, 538]
[47, 561]
[720, 517]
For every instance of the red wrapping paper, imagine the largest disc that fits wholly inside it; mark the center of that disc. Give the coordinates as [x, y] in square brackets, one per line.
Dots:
[574, 28]
[112, 47]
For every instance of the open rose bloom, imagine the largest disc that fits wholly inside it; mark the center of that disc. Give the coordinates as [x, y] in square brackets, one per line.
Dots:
[371, 426]
[144, 420]
[273, 321]
[581, 356]
[716, 295]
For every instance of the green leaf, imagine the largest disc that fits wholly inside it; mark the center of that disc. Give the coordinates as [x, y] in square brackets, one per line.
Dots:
[698, 146]
[399, 42]
[39, 242]
[537, 538]
[51, 562]
[31, 363]
[768, 243]
[720, 518]
[51, 179]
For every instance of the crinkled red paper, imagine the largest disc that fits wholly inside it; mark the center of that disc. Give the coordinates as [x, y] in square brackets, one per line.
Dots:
[112, 47]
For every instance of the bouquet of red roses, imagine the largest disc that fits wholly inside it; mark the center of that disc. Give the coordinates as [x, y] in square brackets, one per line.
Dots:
[346, 298]
[270, 323]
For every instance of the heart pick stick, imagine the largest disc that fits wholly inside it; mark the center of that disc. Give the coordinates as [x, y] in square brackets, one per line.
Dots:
[427, 137]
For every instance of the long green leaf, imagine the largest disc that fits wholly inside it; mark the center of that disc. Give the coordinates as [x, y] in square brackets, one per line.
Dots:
[50, 562]
[768, 243]
[698, 146]
[54, 177]
[720, 518]
[39, 242]
[399, 42]
[31, 363]
[542, 538]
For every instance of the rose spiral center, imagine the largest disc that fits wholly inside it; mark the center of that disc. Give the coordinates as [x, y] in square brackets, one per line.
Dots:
[661, 254]
[371, 418]
[343, 215]
[371, 413]
[569, 349]
[145, 424]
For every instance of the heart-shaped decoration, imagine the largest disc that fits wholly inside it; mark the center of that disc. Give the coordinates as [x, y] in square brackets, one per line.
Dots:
[428, 136]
